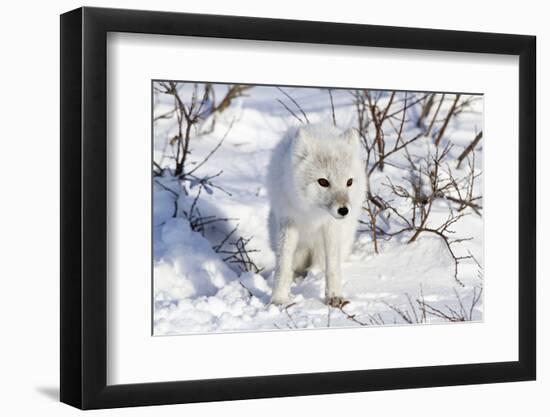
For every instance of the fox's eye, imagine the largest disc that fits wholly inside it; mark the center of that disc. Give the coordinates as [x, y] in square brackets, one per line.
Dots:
[350, 181]
[323, 182]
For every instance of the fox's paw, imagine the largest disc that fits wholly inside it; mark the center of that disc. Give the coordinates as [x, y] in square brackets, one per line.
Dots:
[280, 299]
[337, 301]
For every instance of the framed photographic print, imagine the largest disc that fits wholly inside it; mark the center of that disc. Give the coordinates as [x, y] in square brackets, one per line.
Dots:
[256, 208]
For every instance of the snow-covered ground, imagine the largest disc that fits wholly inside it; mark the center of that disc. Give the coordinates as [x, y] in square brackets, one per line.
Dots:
[196, 290]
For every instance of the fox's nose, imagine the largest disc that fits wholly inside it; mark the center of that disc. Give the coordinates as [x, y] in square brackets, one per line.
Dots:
[342, 211]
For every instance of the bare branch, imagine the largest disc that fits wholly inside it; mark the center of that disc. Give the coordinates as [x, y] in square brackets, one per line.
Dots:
[469, 148]
[447, 119]
[295, 103]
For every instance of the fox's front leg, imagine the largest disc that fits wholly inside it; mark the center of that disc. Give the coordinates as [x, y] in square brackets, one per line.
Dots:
[287, 242]
[333, 288]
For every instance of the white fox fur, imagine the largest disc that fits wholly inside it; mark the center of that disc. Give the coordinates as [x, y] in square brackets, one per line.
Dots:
[308, 224]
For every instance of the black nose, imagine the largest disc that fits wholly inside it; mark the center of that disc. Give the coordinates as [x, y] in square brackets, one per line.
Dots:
[342, 211]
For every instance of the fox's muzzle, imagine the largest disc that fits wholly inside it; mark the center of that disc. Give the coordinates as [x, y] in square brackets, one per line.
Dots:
[343, 211]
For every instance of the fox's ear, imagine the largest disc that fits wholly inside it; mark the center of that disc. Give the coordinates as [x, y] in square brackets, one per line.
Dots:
[302, 143]
[303, 136]
[351, 137]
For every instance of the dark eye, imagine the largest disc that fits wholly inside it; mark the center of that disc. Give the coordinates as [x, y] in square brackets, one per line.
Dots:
[350, 181]
[323, 182]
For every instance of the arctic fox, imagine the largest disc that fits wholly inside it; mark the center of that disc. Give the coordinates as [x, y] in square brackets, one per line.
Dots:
[316, 183]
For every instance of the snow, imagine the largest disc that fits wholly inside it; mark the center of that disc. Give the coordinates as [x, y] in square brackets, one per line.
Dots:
[196, 291]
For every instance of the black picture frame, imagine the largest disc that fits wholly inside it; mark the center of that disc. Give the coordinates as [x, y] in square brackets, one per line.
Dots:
[84, 207]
